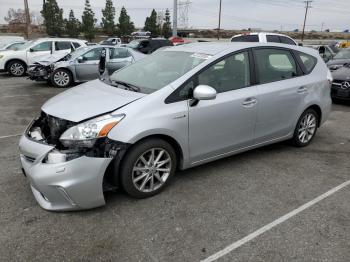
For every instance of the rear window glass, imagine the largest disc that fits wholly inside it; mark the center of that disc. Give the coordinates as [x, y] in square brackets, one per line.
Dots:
[308, 61]
[246, 38]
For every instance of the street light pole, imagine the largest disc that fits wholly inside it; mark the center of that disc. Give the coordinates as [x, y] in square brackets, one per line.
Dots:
[219, 27]
[308, 2]
[175, 18]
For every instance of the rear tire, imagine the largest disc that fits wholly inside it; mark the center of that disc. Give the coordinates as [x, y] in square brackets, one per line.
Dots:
[147, 168]
[306, 128]
[16, 68]
[61, 78]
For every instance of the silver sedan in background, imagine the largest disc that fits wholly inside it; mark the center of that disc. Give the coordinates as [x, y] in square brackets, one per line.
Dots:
[81, 65]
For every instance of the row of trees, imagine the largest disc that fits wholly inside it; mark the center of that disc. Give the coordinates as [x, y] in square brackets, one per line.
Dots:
[56, 25]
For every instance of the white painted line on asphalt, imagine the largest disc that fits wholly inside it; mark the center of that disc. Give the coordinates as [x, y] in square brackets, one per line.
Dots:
[278, 221]
[2, 137]
[20, 95]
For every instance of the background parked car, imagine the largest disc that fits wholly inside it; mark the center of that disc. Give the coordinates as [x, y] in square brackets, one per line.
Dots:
[7, 39]
[12, 45]
[176, 40]
[17, 62]
[340, 59]
[148, 46]
[327, 52]
[341, 83]
[112, 41]
[264, 38]
[82, 65]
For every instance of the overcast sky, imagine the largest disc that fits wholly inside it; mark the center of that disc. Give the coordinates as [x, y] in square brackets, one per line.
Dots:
[236, 14]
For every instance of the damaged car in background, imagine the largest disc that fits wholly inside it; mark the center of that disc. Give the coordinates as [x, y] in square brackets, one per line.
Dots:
[178, 108]
[81, 65]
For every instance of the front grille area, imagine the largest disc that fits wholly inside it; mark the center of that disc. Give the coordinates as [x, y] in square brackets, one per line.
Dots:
[29, 159]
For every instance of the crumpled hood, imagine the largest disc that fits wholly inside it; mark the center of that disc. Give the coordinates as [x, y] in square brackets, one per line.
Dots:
[49, 59]
[342, 73]
[88, 100]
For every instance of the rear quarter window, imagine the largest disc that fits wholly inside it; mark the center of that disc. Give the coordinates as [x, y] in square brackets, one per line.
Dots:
[308, 61]
[246, 38]
[287, 40]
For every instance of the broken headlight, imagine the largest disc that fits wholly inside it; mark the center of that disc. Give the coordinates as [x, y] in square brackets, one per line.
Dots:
[86, 134]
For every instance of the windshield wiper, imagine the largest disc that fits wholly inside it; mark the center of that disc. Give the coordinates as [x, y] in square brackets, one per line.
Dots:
[127, 86]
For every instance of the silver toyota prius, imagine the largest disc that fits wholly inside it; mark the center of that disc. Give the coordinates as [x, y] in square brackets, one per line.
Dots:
[177, 108]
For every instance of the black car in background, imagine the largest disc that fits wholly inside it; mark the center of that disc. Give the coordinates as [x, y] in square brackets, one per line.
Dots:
[340, 59]
[148, 46]
[341, 83]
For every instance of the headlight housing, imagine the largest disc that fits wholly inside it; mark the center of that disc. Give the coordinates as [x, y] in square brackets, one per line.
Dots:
[86, 133]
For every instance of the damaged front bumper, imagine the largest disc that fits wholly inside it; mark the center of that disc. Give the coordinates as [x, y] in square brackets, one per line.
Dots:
[62, 179]
[39, 73]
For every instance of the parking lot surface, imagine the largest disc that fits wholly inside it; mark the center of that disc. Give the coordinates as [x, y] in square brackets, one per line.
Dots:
[204, 209]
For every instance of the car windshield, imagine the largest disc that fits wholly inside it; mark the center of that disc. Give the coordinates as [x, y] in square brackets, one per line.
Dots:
[334, 48]
[26, 45]
[343, 54]
[158, 70]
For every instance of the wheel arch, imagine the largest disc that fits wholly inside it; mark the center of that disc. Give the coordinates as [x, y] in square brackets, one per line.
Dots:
[15, 59]
[318, 110]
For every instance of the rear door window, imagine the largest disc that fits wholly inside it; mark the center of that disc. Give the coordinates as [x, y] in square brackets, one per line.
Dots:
[308, 61]
[274, 65]
[116, 53]
[273, 39]
[64, 45]
[246, 38]
[76, 45]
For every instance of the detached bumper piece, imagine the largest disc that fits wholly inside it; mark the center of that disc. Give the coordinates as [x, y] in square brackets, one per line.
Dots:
[60, 178]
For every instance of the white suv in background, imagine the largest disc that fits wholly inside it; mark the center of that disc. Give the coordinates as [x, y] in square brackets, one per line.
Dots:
[264, 38]
[17, 62]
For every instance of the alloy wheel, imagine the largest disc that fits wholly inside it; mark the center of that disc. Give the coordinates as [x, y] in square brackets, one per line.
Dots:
[17, 69]
[61, 78]
[307, 128]
[151, 170]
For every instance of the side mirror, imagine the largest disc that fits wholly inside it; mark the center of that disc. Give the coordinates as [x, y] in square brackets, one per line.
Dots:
[31, 50]
[80, 59]
[300, 44]
[204, 92]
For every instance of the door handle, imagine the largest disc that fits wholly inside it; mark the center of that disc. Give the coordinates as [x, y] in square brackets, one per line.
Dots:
[302, 90]
[249, 102]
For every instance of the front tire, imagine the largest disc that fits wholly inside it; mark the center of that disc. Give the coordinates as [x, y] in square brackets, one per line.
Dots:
[61, 78]
[16, 68]
[306, 128]
[147, 168]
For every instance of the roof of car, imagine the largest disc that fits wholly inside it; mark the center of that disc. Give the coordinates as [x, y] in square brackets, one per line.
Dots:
[213, 48]
[60, 39]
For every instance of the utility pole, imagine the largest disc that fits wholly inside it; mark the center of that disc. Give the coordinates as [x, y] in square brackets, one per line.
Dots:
[219, 27]
[26, 10]
[175, 18]
[308, 5]
[322, 27]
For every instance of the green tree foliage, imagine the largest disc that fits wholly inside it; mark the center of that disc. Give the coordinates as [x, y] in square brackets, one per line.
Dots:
[108, 18]
[166, 30]
[73, 25]
[53, 18]
[88, 22]
[125, 26]
[151, 24]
